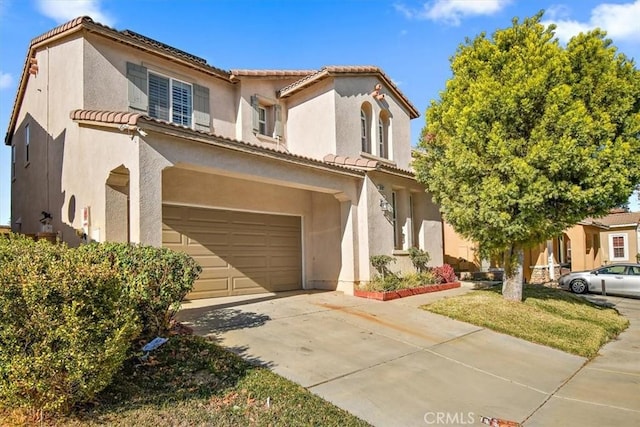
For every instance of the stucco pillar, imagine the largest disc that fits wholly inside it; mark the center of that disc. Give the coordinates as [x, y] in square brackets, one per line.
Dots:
[146, 197]
[349, 269]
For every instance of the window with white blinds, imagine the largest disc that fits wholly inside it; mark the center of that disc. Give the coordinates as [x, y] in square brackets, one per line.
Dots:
[170, 100]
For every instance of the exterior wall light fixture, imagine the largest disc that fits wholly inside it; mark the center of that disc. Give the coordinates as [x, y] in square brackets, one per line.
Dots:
[385, 206]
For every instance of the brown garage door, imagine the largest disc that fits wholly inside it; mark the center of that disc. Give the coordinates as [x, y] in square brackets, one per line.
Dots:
[240, 252]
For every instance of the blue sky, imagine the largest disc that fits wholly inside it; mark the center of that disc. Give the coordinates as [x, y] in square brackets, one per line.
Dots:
[411, 40]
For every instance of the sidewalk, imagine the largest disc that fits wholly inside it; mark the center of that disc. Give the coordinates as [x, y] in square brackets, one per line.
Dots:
[393, 364]
[606, 392]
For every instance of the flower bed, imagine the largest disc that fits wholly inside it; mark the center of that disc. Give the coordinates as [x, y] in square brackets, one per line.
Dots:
[401, 293]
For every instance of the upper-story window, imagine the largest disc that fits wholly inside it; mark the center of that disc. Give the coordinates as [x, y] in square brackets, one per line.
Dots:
[365, 127]
[165, 98]
[170, 100]
[267, 119]
[27, 143]
[383, 134]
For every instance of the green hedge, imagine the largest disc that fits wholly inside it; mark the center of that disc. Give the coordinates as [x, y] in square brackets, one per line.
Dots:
[65, 325]
[155, 279]
[68, 317]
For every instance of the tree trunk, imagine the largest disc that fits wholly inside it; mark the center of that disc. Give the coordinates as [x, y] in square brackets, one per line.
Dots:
[513, 278]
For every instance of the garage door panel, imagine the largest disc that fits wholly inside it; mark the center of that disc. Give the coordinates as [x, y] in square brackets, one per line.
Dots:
[248, 262]
[251, 282]
[240, 252]
[284, 262]
[171, 237]
[212, 261]
[239, 240]
[286, 241]
[172, 213]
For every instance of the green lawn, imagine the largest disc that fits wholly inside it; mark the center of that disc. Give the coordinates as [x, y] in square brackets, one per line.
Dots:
[547, 316]
[192, 381]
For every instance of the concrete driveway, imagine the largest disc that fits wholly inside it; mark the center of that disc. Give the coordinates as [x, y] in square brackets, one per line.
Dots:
[392, 364]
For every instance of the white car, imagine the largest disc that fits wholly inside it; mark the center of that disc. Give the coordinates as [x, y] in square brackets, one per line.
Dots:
[619, 279]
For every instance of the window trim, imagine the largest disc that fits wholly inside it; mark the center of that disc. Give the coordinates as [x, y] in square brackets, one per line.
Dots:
[625, 247]
[397, 243]
[365, 131]
[171, 99]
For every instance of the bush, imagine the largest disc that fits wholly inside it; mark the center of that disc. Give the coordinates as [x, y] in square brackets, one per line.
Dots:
[444, 274]
[381, 264]
[65, 325]
[419, 259]
[389, 282]
[155, 279]
[416, 280]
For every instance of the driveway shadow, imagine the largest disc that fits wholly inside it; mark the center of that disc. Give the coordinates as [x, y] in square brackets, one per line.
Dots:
[214, 320]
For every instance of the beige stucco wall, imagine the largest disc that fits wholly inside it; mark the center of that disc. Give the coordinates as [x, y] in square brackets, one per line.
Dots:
[457, 247]
[351, 93]
[311, 121]
[105, 77]
[266, 89]
[50, 94]
[427, 221]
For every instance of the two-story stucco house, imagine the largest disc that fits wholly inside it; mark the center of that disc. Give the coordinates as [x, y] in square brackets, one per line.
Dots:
[272, 179]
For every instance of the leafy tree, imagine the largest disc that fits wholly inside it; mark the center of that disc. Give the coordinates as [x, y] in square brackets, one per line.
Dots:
[530, 137]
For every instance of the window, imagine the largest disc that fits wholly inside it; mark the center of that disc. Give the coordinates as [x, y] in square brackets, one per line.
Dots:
[365, 127]
[170, 100]
[414, 229]
[27, 142]
[618, 247]
[383, 134]
[13, 162]
[266, 117]
[614, 269]
[263, 123]
[397, 244]
[634, 271]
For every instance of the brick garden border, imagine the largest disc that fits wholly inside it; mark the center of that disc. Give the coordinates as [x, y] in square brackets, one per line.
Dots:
[401, 293]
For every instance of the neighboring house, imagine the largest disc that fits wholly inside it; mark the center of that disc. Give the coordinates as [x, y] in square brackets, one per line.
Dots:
[272, 179]
[585, 246]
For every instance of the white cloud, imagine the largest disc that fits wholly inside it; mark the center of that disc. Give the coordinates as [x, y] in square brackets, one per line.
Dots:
[452, 11]
[66, 10]
[5, 80]
[620, 21]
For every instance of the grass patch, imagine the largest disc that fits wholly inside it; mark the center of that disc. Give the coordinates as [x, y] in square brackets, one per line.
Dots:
[192, 381]
[551, 317]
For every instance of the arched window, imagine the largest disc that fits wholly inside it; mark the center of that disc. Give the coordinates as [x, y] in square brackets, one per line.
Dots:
[383, 134]
[365, 127]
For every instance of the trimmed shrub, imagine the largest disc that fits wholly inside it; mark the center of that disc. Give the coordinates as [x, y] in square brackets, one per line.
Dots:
[381, 264]
[419, 259]
[155, 279]
[444, 274]
[65, 325]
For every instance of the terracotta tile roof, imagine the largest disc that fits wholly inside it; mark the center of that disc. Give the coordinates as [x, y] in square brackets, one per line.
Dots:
[114, 117]
[137, 119]
[357, 162]
[270, 73]
[335, 70]
[366, 164]
[61, 29]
